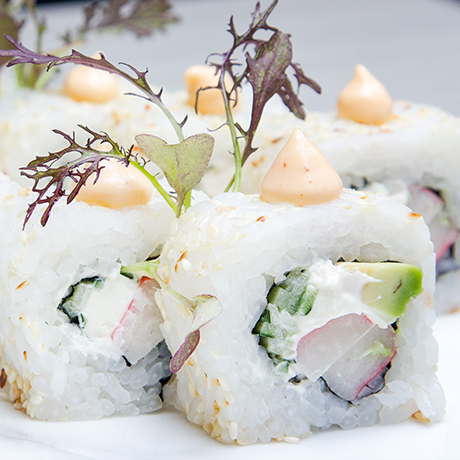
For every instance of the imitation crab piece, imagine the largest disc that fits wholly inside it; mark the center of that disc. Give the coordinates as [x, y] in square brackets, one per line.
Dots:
[300, 175]
[349, 353]
[443, 235]
[425, 202]
[138, 331]
[365, 99]
[431, 206]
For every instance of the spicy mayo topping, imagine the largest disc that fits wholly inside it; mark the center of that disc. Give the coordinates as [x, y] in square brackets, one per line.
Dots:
[118, 186]
[91, 85]
[210, 100]
[300, 175]
[365, 99]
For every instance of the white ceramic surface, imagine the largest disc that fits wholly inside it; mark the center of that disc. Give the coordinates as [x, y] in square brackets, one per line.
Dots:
[166, 434]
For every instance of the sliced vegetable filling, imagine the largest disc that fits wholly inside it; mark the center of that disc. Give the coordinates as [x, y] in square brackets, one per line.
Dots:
[444, 232]
[348, 352]
[119, 311]
[293, 296]
[79, 293]
[335, 322]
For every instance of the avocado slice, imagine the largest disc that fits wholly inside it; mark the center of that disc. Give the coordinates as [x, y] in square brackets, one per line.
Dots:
[398, 283]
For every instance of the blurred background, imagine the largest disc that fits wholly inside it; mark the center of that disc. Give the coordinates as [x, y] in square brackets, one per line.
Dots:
[412, 47]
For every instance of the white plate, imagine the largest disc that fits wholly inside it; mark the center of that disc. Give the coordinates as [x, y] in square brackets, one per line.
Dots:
[167, 434]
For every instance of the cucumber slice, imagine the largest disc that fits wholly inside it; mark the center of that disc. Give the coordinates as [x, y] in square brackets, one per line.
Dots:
[292, 296]
[79, 294]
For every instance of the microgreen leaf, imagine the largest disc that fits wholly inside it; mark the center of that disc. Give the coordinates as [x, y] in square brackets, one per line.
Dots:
[142, 17]
[266, 71]
[183, 164]
[204, 309]
[185, 351]
[50, 172]
[266, 74]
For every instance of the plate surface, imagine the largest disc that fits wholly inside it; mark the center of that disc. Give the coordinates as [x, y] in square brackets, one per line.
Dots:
[168, 434]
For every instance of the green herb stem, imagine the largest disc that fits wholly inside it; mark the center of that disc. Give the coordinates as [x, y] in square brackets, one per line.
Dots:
[188, 200]
[149, 268]
[236, 149]
[175, 124]
[156, 184]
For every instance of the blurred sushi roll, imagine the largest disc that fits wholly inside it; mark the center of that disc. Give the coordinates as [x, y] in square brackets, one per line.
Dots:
[78, 340]
[87, 97]
[404, 150]
[326, 308]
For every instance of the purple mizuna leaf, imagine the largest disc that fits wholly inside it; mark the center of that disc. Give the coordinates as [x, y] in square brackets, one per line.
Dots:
[207, 308]
[141, 17]
[184, 351]
[43, 170]
[24, 55]
[266, 73]
[267, 64]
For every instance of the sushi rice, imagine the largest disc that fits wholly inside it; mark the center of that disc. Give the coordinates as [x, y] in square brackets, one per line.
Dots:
[56, 369]
[235, 247]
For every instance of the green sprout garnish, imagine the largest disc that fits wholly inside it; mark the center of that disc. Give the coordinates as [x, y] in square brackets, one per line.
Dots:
[266, 71]
[204, 309]
[183, 164]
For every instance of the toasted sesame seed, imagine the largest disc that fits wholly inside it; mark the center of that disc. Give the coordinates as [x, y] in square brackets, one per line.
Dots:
[222, 402]
[200, 407]
[207, 427]
[217, 429]
[24, 319]
[3, 378]
[21, 286]
[420, 417]
[15, 392]
[192, 390]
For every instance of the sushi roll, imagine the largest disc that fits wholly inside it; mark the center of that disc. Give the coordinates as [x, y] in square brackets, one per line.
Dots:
[78, 340]
[87, 96]
[327, 304]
